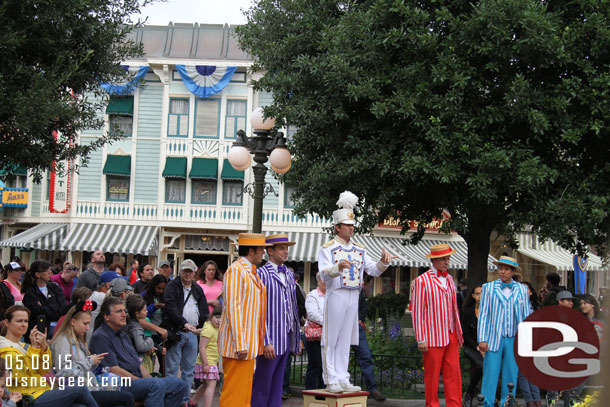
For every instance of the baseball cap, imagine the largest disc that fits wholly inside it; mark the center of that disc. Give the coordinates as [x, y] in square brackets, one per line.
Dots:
[107, 276]
[188, 264]
[564, 295]
[118, 285]
[164, 263]
[15, 265]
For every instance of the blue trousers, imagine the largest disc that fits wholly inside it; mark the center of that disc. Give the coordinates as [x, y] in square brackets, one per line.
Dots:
[365, 360]
[530, 391]
[268, 380]
[501, 360]
[183, 355]
[158, 392]
[69, 396]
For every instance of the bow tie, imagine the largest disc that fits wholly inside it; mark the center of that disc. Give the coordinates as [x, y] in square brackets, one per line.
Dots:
[508, 285]
[282, 268]
[442, 274]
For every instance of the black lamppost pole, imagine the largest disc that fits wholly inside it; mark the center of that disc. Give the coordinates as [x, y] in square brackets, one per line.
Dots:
[265, 144]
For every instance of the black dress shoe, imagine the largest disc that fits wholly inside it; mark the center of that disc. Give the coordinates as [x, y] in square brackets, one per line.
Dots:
[286, 395]
[376, 395]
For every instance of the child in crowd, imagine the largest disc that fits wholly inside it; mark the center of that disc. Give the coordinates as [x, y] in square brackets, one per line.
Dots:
[206, 368]
[8, 398]
[136, 310]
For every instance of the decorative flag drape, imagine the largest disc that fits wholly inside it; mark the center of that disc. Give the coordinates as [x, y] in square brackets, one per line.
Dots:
[205, 80]
[136, 73]
[580, 274]
[59, 190]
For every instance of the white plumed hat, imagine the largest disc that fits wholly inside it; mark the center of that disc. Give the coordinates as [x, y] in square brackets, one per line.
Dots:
[347, 202]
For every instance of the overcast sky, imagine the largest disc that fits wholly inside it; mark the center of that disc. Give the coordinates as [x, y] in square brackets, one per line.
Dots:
[196, 11]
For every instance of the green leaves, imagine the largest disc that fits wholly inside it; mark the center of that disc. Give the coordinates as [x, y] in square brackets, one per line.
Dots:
[497, 111]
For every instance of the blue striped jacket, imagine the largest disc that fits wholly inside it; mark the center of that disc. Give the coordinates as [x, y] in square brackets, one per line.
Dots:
[282, 310]
[498, 315]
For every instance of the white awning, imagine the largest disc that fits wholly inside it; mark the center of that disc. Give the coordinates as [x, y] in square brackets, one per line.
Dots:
[308, 244]
[129, 239]
[45, 236]
[551, 253]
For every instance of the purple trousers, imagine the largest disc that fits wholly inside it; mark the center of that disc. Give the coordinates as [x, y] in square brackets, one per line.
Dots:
[268, 381]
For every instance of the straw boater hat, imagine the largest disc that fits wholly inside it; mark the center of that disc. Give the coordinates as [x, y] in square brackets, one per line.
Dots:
[281, 238]
[508, 261]
[347, 202]
[252, 239]
[440, 250]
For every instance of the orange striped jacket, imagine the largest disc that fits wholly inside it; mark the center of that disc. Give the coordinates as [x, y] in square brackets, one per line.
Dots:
[242, 326]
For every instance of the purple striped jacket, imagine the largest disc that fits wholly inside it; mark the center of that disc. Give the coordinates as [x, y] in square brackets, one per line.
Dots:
[282, 312]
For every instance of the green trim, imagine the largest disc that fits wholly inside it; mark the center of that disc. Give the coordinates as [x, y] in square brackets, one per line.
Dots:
[118, 165]
[224, 200]
[15, 170]
[194, 184]
[167, 191]
[229, 173]
[204, 169]
[108, 179]
[179, 118]
[175, 167]
[120, 105]
[235, 118]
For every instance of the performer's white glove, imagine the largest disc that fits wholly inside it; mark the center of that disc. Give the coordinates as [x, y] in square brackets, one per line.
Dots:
[332, 271]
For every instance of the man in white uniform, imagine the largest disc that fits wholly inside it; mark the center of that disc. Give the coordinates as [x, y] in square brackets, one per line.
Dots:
[342, 264]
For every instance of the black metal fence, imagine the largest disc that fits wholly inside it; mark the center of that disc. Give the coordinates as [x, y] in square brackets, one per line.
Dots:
[396, 376]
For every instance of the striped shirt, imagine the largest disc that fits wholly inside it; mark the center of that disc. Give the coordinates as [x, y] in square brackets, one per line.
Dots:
[282, 328]
[242, 326]
[499, 314]
[434, 310]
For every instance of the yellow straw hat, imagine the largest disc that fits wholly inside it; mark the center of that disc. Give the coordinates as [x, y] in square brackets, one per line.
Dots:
[252, 239]
[281, 238]
[440, 250]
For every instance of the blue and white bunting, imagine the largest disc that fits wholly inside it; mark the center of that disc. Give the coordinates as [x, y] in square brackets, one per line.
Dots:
[205, 80]
[136, 73]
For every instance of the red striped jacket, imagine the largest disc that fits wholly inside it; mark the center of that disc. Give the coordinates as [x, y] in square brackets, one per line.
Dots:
[433, 309]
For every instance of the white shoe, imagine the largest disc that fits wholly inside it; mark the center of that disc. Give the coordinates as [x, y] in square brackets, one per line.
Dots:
[334, 388]
[349, 387]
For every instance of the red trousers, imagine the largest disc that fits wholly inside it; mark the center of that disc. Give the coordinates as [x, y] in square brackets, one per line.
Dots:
[445, 360]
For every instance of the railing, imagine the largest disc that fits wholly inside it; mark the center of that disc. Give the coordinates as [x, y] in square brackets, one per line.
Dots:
[396, 376]
[286, 217]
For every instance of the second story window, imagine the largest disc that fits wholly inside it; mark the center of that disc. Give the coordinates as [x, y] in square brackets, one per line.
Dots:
[204, 179]
[289, 201]
[175, 179]
[207, 117]
[232, 184]
[178, 121]
[236, 117]
[118, 172]
[121, 125]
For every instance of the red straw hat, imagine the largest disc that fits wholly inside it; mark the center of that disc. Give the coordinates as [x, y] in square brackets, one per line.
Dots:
[440, 250]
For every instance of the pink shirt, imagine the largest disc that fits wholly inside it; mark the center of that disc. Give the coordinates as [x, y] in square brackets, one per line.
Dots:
[66, 287]
[211, 293]
[15, 291]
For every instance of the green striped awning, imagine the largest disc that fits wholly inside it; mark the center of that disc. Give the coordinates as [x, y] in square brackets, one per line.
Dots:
[308, 244]
[15, 170]
[119, 165]
[551, 253]
[229, 173]
[204, 168]
[175, 167]
[126, 239]
[120, 105]
[45, 236]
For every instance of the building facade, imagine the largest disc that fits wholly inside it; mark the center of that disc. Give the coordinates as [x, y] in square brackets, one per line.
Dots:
[165, 190]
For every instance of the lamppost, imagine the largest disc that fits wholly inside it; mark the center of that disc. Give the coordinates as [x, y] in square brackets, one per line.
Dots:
[264, 143]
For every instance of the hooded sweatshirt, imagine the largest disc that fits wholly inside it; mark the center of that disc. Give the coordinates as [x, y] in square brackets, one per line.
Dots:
[28, 367]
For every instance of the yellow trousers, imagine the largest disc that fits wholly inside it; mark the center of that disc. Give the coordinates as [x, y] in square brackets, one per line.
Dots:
[237, 387]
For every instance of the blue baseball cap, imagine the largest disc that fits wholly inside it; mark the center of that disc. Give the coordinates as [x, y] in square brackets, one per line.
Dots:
[108, 276]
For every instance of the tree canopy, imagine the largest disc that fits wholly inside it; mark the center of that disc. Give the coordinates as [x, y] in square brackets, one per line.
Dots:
[494, 110]
[54, 55]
